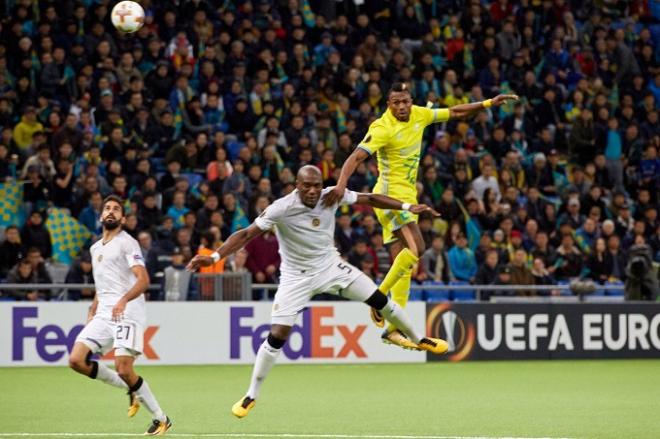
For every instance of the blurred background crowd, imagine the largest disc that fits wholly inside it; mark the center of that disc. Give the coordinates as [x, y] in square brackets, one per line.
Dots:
[202, 118]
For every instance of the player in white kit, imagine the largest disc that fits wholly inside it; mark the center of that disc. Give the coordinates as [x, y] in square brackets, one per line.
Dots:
[311, 265]
[117, 317]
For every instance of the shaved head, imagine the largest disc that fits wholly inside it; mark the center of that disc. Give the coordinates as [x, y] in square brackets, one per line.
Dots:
[309, 183]
[308, 171]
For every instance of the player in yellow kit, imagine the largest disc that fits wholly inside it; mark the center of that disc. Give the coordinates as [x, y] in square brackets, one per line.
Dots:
[396, 138]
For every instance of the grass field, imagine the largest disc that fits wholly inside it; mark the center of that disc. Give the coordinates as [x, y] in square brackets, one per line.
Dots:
[580, 399]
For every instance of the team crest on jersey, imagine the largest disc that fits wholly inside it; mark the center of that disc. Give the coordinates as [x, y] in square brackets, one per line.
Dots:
[100, 258]
[316, 222]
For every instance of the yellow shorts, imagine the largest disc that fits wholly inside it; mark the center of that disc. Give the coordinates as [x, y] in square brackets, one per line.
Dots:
[393, 220]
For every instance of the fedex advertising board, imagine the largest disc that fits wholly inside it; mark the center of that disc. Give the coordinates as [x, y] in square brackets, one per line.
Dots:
[41, 334]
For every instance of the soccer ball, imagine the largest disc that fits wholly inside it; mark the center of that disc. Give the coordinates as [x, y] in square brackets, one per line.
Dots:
[127, 16]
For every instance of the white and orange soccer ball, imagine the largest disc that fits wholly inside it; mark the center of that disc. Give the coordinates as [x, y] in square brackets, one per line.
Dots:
[127, 16]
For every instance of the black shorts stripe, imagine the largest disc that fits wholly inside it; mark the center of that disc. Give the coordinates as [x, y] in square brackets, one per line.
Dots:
[95, 342]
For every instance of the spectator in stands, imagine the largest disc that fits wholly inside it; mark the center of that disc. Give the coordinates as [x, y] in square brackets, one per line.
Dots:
[11, 250]
[569, 259]
[615, 260]
[263, 258]
[541, 274]
[434, 262]
[81, 273]
[462, 262]
[520, 274]
[23, 273]
[177, 281]
[35, 234]
[487, 273]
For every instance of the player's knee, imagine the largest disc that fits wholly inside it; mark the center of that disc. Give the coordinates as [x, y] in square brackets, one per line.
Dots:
[278, 335]
[377, 300]
[76, 363]
[79, 362]
[125, 372]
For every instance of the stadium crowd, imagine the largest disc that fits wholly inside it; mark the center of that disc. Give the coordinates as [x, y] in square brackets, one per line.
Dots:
[202, 118]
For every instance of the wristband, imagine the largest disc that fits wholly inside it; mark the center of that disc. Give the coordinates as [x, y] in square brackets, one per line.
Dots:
[487, 103]
[215, 256]
[405, 206]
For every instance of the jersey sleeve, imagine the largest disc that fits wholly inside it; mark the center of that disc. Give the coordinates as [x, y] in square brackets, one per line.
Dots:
[434, 115]
[376, 138]
[133, 254]
[350, 197]
[270, 217]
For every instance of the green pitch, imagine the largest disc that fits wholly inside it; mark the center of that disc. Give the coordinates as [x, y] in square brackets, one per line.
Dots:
[577, 399]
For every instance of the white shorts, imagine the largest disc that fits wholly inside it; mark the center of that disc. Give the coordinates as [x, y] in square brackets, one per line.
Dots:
[102, 335]
[295, 291]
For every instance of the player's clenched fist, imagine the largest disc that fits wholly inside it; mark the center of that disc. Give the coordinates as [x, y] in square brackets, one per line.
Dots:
[199, 261]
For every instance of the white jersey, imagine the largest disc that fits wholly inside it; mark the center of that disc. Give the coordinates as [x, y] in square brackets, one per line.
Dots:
[306, 236]
[113, 277]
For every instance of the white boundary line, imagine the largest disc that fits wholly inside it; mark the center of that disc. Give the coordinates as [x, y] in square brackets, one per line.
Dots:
[267, 435]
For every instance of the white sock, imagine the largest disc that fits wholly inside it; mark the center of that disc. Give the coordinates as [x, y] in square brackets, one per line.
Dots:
[266, 357]
[147, 398]
[109, 376]
[394, 314]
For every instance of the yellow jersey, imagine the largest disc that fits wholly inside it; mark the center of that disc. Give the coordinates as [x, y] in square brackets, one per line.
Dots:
[398, 146]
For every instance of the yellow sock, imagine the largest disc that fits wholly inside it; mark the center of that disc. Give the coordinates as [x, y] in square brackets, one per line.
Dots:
[403, 263]
[400, 293]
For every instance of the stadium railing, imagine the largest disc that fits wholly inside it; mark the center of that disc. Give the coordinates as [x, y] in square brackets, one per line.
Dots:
[239, 287]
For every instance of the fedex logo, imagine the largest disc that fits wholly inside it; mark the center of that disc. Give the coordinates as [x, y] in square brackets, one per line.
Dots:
[52, 342]
[313, 330]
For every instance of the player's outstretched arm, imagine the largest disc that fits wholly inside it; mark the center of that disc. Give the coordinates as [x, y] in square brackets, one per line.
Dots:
[384, 202]
[235, 242]
[140, 286]
[463, 110]
[337, 193]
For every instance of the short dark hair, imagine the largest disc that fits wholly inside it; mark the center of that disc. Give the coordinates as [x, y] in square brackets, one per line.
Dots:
[399, 87]
[117, 200]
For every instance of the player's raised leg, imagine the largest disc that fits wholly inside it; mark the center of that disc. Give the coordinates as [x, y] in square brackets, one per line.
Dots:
[266, 357]
[405, 250]
[359, 290]
[124, 360]
[410, 242]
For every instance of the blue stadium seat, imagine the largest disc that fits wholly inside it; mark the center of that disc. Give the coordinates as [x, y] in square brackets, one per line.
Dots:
[233, 148]
[617, 292]
[462, 295]
[436, 295]
[417, 294]
[565, 292]
[193, 179]
[158, 164]
[599, 290]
